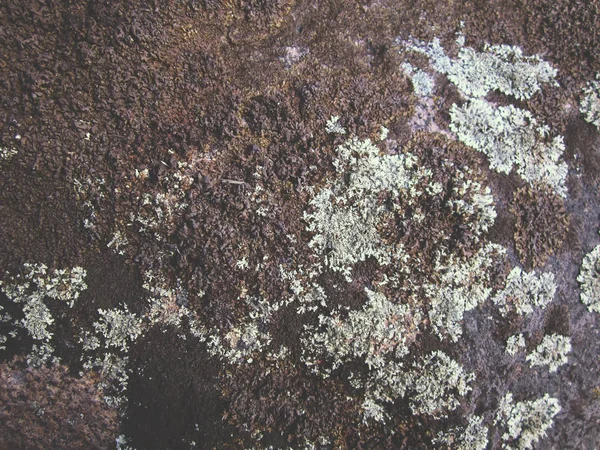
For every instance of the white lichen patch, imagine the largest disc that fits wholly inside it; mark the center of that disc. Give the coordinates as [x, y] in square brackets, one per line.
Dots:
[422, 82]
[6, 154]
[119, 327]
[333, 126]
[514, 344]
[511, 137]
[436, 385]
[381, 330]
[507, 135]
[471, 437]
[589, 280]
[525, 291]
[551, 352]
[345, 214]
[590, 102]
[525, 423]
[498, 67]
[105, 350]
[31, 290]
[462, 286]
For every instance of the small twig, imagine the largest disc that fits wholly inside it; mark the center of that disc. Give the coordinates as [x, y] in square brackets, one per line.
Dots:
[227, 180]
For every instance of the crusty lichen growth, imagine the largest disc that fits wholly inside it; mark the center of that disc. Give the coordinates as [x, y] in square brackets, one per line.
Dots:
[436, 385]
[590, 103]
[510, 136]
[345, 215]
[462, 286]
[589, 279]
[525, 423]
[433, 386]
[551, 352]
[422, 82]
[31, 289]
[507, 135]
[525, 291]
[498, 67]
[471, 437]
[382, 330]
[115, 330]
[118, 327]
[514, 344]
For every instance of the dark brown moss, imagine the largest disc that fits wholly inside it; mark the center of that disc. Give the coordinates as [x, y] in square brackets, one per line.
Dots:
[47, 408]
[542, 223]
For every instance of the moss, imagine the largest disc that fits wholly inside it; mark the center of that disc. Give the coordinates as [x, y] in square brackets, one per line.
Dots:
[542, 223]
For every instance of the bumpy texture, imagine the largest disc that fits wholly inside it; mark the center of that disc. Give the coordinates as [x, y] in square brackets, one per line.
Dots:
[542, 223]
[48, 408]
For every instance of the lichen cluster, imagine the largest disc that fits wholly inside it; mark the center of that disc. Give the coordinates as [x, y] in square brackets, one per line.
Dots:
[590, 102]
[589, 279]
[508, 135]
[31, 289]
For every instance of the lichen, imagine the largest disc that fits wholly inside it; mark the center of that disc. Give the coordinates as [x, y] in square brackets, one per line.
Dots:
[498, 67]
[589, 279]
[31, 289]
[590, 102]
[463, 285]
[525, 291]
[525, 423]
[514, 344]
[471, 437]
[380, 331]
[510, 136]
[507, 135]
[551, 352]
[436, 385]
[422, 82]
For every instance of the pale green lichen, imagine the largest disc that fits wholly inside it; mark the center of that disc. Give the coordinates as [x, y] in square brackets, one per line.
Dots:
[511, 137]
[507, 135]
[551, 352]
[436, 385]
[31, 289]
[525, 423]
[344, 215]
[105, 350]
[433, 386]
[590, 103]
[471, 437]
[422, 82]
[514, 344]
[525, 291]
[498, 67]
[379, 331]
[589, 279]
[463, 285]
[333, 126]
[118, 327]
